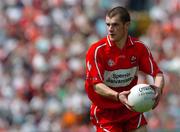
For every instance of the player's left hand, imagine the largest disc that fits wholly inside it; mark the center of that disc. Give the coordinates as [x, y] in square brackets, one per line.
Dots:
[158, 93]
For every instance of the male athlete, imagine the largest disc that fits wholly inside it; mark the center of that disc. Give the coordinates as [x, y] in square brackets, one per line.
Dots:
[112, 65]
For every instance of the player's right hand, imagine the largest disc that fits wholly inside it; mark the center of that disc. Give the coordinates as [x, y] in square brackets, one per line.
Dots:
[124, 100]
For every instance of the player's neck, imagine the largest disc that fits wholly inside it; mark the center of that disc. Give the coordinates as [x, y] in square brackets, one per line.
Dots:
[121, 43]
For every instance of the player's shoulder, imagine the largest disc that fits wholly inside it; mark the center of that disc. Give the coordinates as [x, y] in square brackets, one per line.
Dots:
[138, 43]
[101, 43]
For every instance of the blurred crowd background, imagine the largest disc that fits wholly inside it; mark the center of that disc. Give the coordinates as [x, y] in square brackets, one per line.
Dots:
[42, 53]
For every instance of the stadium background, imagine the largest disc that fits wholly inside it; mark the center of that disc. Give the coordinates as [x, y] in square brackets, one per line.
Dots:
[42, 51]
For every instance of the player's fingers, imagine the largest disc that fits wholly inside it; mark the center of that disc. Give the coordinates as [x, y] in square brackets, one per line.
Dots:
[127, 103]
[155, 104]
[124, 100]
[129, 107]
[156, 92]
[153, 87]
[125, 92]
[155, 96]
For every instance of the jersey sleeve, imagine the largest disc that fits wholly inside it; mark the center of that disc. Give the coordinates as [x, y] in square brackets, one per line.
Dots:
[94, 66]
[147, 63]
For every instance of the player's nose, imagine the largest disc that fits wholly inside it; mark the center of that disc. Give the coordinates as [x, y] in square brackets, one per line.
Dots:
[110, 29]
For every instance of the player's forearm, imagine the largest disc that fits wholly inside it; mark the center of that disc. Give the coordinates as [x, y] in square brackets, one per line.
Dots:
[105, 91]
[159, 81]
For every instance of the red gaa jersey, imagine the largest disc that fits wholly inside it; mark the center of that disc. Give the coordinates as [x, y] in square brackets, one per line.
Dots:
[117, 68]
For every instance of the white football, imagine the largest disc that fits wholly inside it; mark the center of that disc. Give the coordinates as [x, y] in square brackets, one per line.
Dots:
[141, 97]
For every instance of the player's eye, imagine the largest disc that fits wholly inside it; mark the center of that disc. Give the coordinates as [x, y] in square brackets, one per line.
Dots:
[115, 24]
[108, 24]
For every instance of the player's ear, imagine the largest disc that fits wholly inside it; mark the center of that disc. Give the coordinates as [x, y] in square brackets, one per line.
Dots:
[127, 24]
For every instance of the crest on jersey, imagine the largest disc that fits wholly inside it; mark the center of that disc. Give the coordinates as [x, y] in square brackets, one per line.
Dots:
[133, 59]
[110, 62]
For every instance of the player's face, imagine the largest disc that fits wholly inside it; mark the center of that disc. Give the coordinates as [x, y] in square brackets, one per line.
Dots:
[116, 28]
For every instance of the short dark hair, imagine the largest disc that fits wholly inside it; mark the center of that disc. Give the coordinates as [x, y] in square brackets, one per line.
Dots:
[121, 11]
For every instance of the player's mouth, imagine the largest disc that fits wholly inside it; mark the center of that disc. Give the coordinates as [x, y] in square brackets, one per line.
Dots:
[112, 35]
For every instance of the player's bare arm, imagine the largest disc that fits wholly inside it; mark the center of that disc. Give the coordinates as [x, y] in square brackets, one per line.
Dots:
[158, 87]
[107, 92]
[159, 81]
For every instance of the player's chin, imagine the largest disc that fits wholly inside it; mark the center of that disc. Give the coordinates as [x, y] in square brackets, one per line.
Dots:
[112, 38]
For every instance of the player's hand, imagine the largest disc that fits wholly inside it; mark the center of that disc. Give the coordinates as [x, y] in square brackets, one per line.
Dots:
[124, 100]
[158, 93]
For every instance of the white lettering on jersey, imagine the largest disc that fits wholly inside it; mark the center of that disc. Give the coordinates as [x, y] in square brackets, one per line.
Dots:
[119, 78]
